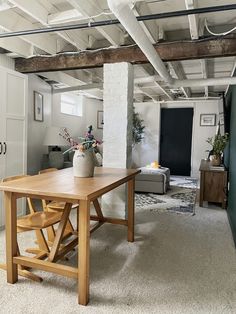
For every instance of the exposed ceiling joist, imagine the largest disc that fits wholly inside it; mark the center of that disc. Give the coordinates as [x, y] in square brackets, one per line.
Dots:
[232, 74]
[89, 9]
[193, 19]
[77, 88]
[17, 46]
[179, 73]
[70, 81]
[11, 21]
[172, 51]
[204, 75]
[149, 27]
[34, 9]
[72, 15]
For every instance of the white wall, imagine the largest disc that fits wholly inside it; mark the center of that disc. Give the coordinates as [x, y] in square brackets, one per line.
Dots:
[74, 124]
[36, 129]
[78, 125]
[91, 107]
[148, 150]
[7, 62]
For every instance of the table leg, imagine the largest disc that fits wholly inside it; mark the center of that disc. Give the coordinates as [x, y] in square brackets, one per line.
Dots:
[201, 189]
[131, 210]
[84, 251]
[11, 236]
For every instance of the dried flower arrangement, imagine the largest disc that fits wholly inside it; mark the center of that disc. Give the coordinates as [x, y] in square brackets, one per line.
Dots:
[87, 143]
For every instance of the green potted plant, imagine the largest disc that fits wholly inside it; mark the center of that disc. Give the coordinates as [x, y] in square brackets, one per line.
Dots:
[138, 128]
[218, 143]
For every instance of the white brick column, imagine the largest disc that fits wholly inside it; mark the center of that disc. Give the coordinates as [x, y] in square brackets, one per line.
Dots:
[117, 129]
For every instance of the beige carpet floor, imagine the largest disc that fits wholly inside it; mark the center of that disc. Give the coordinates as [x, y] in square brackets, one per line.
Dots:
[178, 264]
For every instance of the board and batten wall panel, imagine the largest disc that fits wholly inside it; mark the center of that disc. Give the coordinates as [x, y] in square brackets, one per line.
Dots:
[7, 62]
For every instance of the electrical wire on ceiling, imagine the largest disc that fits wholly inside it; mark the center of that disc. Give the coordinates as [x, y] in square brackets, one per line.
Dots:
[218, 34]
[73, 52]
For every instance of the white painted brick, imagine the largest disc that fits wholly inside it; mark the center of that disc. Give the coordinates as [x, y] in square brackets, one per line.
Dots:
[117, 131]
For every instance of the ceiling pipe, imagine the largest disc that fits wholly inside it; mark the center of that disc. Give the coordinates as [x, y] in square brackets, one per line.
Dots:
[205, 82]
[148, 17]
[125, 15]
[123, 12]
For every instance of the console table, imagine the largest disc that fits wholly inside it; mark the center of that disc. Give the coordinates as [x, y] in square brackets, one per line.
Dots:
[213, 184]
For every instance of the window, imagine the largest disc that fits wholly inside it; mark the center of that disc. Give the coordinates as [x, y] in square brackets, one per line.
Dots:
[71, 104]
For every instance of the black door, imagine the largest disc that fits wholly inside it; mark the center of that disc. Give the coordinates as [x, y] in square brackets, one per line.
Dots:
[176, 140]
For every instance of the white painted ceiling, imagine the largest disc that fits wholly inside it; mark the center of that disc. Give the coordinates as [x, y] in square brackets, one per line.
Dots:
[18, 15]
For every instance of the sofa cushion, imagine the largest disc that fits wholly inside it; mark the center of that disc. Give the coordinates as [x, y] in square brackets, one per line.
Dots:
[152, 174]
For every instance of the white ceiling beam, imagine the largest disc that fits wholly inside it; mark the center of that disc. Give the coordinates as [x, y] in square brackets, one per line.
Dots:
[38, 12]
[205, 75]
[232, 74]
[192, 19]
[89, 8]
[179, 74]
[70, 81]
[139, 89]
[5, 5]
[72, 15]
[152, 37]
[11, 21]
[16, 46]
[77, 88]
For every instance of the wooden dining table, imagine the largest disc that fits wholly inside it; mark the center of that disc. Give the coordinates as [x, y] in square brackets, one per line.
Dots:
[63, 186]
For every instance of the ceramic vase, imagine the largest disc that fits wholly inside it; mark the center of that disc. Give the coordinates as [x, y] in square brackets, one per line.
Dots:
[83, 164]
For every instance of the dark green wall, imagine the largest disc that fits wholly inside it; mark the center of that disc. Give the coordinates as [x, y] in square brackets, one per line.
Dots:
[231, 103]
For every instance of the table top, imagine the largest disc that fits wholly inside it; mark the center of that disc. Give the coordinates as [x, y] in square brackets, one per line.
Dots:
[62, 184]
[207, 166]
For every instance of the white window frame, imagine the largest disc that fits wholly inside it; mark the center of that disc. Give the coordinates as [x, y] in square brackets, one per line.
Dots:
[74, 101]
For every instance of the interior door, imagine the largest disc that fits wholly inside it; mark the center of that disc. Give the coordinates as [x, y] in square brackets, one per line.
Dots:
[2, 139]
[176, 140]
[14, 91]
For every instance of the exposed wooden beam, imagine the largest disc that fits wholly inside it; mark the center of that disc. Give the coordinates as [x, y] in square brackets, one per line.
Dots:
[173, 51]
[168, 51]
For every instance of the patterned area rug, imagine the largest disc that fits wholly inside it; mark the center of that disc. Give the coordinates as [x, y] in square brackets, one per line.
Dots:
[180, 198]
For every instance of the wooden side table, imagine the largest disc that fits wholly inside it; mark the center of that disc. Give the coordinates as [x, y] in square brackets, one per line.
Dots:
[213, 184]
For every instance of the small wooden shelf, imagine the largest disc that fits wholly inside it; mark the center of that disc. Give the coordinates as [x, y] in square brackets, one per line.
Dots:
[213, 184]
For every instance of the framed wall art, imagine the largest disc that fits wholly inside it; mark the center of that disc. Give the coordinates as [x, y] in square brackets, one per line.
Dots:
[38, 106]
[100, 121]
[208, 119]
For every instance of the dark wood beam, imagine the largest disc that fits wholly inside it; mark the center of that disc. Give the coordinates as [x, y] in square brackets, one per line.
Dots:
[169, 51]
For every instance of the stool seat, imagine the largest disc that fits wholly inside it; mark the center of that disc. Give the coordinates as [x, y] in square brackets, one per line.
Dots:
[39, 220]
[153, 180]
